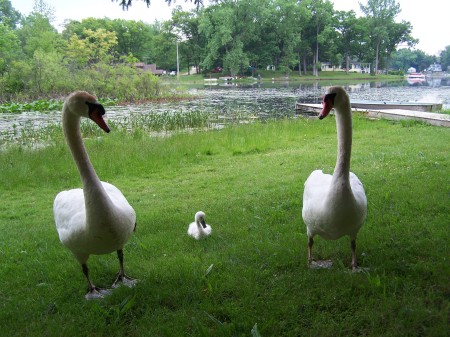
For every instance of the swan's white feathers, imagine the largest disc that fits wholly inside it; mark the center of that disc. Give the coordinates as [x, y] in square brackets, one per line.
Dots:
[70, 219]
[332, 205]
[96, 219]
[329, 216]
[199, 234]
[196, 230]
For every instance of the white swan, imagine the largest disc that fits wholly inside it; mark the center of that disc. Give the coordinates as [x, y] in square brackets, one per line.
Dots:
[199, 229]
[96, 219]
[335, 205]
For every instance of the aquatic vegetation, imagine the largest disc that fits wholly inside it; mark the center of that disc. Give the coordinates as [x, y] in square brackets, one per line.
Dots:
[44, 105]
[39, 105]
[165, 121]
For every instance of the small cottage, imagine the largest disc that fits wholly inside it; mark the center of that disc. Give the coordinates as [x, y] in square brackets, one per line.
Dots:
[150, 67]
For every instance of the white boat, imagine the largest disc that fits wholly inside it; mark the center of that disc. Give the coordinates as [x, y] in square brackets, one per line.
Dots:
[415, 78]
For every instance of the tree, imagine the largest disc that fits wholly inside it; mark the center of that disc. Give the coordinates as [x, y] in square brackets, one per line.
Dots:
[133, 37]
[405, 58]
[8, 15]
[352, 36]
[381, 16]
[37, 33]
[44, 9]
[397, 33]
[193, 43]
[317, 29]
[97, 46]
[48, 73]
[127, 3]
[9, 47]
[219, 25]
[289, 19]
[445, 58]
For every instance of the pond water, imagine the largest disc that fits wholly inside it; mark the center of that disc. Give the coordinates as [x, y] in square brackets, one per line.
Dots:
[250, 101]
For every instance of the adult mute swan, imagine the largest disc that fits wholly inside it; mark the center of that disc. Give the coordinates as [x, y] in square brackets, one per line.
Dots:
[199, 229]
[335, 205]
[96, 219]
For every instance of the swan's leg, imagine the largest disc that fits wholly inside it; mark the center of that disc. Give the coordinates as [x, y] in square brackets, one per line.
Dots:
[310, 245]
[317, 264]
[353, 245]
[121, 276]
[93, 291]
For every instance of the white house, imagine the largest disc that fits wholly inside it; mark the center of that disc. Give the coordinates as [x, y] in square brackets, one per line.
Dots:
[327, 66]
[355, 67]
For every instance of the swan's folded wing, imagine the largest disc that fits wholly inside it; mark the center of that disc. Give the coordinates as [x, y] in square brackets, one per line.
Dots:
[119, 200]
[358, 190]
[317, 185]
[69, 213]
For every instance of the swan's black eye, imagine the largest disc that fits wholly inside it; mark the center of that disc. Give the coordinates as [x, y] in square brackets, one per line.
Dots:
[96, 107]
[329, 98]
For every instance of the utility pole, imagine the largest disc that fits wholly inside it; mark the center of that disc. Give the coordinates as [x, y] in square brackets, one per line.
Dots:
[178, 65]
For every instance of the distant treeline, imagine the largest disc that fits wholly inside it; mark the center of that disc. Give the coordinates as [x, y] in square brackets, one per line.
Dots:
[240, 35]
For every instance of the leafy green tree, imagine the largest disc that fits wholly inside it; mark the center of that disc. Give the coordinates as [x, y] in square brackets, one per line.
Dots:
[193, 43]
[48, 73]
[77, 52]
[133, 37]
[397, 33]
[97, 46]
[405, 58]
[217, 24]
[164, 48]
[10, 48]
[352, 38]
[8, 15]
[289, 18]
[37, 33]
[127, 3]
[231, 27]
[380, 13]
[44, 9]
[445, 58]
[318, 27]
[384, 32]
[18, 78]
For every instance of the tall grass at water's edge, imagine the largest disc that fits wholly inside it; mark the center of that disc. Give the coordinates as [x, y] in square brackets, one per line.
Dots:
[249, 181]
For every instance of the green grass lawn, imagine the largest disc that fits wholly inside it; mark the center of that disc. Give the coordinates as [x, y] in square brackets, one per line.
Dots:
[248, 179]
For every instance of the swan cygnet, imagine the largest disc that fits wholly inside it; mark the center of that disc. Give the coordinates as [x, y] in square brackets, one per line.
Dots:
[96, 219]
[335, 205]
[199, 229]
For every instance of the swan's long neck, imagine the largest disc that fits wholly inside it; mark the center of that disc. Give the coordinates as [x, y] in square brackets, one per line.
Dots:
[94, 193]
[344, 137]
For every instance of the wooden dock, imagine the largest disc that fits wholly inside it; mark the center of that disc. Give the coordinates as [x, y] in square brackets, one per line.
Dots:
[392, 114]
[385, 105]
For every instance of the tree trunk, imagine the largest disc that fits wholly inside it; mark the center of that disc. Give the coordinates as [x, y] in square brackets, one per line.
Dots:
[347, 63]
[377, 51]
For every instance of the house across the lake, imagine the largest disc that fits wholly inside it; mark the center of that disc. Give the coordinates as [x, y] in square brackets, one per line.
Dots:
[150, 67]
[355, 67]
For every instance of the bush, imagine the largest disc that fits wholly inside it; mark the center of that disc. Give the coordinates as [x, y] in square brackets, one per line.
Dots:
[120, 82]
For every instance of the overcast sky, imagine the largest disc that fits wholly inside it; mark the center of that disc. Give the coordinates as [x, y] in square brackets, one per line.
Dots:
[428, 18]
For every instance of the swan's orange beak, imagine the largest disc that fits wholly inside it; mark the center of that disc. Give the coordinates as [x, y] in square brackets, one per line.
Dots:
[96, 112]
[328, 103]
